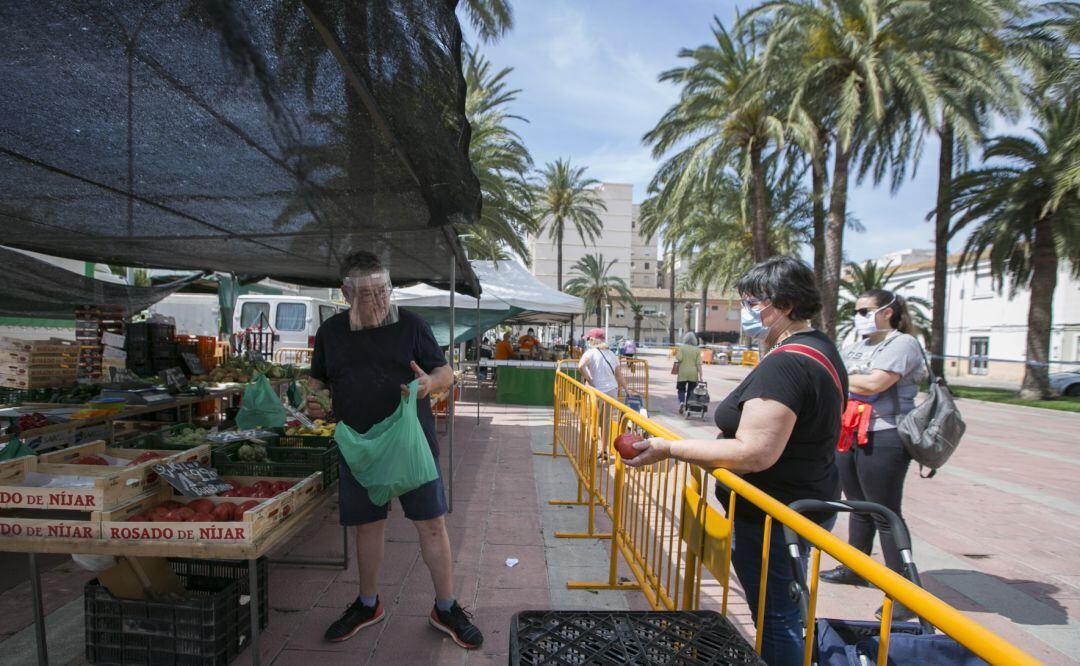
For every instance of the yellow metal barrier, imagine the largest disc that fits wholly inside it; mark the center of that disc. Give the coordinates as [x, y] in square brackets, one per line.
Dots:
[750, 358]
[293, 355]
[666, 532]
[636, 373]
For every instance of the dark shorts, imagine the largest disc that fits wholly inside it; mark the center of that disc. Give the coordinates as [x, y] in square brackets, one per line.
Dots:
[355, 508]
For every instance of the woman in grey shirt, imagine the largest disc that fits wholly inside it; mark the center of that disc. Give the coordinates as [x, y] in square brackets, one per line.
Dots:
[885, 367]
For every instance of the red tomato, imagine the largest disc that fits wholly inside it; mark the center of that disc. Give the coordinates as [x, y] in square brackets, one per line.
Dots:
[250, 504]
[139, 518]
[144, 457]
[184, 514]
[279, 487]
[201, 506]
[223, 512]
[90, 460]
[171, 504]
[202, 517]
[228, 493]
[159, 513]
[264, 493]
[245, 492]
[173, 516]
[624, 444]
[262, 485]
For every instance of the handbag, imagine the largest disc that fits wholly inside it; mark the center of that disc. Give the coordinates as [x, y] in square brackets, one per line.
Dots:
[675, 368]
[932, 431]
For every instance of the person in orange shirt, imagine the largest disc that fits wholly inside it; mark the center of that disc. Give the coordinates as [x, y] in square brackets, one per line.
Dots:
[528, 342]
[504, 351]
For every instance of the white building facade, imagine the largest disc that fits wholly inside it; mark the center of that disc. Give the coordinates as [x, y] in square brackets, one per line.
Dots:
[986, 330]
[643, 263]
[614, 242]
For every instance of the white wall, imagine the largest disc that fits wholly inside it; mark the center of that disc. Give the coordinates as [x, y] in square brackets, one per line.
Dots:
[614, 241]
[643, 262]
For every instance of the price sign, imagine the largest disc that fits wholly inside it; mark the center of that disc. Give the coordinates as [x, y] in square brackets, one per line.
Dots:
[175, 380]
[192, 479]
[194, 365]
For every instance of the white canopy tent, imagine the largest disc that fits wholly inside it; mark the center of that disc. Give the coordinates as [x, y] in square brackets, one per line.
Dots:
[536, 302]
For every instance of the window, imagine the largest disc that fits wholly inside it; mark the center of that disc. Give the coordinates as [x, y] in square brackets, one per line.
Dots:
[325, 312]
[977, 356]
[290, 316]
[646, 265]
[619, 314]
[252, 313]
[984, 285]
[714, 308]
[631, 264]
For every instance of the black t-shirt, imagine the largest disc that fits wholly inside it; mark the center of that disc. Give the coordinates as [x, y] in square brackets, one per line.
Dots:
[807, 468]
[365, 369]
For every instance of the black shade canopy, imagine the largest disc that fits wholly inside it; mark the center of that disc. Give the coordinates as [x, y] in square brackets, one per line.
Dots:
[247, 136]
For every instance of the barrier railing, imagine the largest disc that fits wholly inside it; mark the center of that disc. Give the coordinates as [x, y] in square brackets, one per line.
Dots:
[293, 355]
[665, 530]
[636, 373]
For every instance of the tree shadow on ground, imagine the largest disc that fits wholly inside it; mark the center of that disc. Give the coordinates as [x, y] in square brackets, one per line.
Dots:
[1026, 602]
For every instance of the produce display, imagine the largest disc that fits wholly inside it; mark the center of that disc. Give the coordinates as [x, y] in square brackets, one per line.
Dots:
[321, 429]
[195, 511]
[93, 459]
[33, 420]
[239, 370]
[262, 489]
[250, 452]
[191, 437]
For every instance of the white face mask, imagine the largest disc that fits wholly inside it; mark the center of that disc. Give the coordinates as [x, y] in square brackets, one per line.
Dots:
[867, 324]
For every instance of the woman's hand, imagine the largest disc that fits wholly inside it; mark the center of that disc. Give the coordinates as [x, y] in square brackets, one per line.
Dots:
[651, 451]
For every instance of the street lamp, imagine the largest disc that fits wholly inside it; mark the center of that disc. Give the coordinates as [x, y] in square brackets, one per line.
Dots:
[607, 318]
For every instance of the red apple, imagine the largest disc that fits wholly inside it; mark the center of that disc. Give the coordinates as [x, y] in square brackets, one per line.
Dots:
[624, 444]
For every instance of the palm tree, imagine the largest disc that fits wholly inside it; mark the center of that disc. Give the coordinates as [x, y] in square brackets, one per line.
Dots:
[491, 19]
[592, 283]
[855, 57]
[655, 220]
[861, 278]
[726, 114]
[564, 196]
[1027, 208]
[499, 158]
[639, 315]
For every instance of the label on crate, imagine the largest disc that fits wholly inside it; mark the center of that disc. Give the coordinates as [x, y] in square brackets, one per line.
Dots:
[48, 528]
[192, 479]
[49, 498]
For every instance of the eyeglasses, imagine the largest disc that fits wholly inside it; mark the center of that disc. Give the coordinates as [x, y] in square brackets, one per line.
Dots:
[862, 312]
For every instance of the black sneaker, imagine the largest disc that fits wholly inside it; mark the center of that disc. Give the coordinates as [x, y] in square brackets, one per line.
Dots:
[458, 624]
[842, 575]
[356, 617]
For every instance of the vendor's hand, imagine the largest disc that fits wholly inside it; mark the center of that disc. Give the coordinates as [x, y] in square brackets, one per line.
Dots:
[423, 387]
[652, 450]
[314, 409]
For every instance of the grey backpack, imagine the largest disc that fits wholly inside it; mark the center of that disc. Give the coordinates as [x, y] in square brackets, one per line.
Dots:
[932, 431]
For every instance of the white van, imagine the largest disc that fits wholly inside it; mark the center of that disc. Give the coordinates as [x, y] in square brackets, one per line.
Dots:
[293, 318]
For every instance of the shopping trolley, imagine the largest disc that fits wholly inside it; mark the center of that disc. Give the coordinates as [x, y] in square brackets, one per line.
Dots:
[855, 642]
[697, 401]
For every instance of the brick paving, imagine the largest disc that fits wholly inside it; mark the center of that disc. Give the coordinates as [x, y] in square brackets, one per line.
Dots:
[995, 534]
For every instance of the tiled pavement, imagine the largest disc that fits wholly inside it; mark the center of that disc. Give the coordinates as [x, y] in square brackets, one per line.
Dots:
[996, 535]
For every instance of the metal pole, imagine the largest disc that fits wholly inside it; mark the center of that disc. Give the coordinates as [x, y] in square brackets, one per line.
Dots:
[253, 589]
[450, 410]
[478, 339]
[39, 613]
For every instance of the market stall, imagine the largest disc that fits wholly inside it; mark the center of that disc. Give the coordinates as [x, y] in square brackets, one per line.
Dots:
[523, 382]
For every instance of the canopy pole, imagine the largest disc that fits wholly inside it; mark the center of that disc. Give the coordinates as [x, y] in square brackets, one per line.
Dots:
[450, 410]
[478, 339]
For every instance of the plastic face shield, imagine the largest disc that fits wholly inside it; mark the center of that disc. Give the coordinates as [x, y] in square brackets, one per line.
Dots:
[368, 295]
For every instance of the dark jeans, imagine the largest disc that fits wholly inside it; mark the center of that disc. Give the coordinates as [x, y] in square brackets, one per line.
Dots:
[875, 473]
[782, 632]
[684, 389]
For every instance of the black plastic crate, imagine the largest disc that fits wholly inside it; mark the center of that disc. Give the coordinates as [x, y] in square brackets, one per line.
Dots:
[626, 637]
[295, 461]
[210, 629]
[202, 573]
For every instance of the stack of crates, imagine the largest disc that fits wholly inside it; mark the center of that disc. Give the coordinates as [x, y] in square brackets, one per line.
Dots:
[151, 348]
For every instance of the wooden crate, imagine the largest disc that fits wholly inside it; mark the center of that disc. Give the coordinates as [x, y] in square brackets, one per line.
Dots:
[65, 457]
[111, 487]
[303, 490]
[50, 346]
[52, 525]
[23, 382]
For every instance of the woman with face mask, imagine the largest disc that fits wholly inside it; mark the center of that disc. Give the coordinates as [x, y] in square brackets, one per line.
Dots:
[885, 366]
[778, 428]
[688, 372]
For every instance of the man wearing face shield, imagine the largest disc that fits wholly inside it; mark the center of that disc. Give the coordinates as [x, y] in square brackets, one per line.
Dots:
[366, 356]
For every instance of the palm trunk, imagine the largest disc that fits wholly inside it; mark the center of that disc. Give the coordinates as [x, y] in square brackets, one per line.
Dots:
[1044, 265]
[834, 240]
[704, 307]
[942, 215]
[637, 328]
[671, 292]
[760, 229]
[558, 257]
[817, 184]
[599, 310]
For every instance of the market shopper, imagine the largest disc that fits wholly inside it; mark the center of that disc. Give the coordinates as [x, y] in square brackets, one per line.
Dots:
[688, 370]
[885, 366]
[600, 367]
[366, 356]
[778, 429]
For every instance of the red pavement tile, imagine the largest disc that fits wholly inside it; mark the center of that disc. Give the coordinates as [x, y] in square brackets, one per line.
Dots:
[417, 595]
[398, 559]
[59, 586]
[514, 529]
[307, 657]
[296, 588]
[529, 572]
[495, 608]
[310, 627]
[340, 595]
[412, 640]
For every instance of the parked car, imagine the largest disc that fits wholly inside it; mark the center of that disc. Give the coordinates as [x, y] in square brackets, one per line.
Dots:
[1066, 383]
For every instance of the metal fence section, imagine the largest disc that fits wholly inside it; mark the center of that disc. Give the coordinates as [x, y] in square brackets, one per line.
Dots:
[664, 529]
[636, 373]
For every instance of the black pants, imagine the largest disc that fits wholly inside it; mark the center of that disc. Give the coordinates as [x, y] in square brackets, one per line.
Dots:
[684, 389]
[875, 473]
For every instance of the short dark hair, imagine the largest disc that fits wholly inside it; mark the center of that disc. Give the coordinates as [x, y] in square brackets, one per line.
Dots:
[359, 261]
[787, 282]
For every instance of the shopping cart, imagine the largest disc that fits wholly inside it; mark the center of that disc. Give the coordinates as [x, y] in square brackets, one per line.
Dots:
[855, 642]
[697, 401]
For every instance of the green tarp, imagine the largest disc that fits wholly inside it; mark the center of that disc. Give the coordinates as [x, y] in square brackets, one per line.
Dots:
[464, 326]
[525, 386]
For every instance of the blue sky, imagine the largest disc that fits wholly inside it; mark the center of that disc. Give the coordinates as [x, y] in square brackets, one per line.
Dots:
[588, 71]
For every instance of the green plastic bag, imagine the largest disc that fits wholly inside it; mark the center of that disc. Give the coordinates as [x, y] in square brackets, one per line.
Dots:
[260, 407]
[393, 457]
[15, 449]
